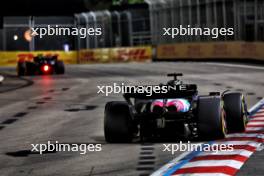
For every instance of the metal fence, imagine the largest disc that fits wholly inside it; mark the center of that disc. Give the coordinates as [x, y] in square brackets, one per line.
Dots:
[119, 28]
[245, 16]
[142, 26]
[145, 26]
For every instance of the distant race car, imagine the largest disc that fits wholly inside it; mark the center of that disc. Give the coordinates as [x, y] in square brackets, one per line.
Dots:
[178, 112]
[40, 65]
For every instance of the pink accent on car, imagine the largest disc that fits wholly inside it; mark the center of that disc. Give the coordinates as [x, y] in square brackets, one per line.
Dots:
[176, 103]
[158, 103]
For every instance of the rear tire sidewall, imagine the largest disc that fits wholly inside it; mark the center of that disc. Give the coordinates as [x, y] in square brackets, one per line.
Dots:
[60, 68]
[236, 113]
[21, 68]
[30, 68]
[211, 118]
[118, 126]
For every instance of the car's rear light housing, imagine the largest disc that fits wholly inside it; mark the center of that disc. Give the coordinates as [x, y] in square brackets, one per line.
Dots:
[46, 68]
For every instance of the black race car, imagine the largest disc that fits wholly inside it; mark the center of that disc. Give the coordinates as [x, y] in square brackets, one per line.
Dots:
[177, 111]
[40, 65]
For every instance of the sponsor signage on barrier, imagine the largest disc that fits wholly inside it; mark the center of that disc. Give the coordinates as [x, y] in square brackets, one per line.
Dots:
[101, 55]
[11, 57]
[94, 56]
[200, 50]
[131, 54]
[124, 54]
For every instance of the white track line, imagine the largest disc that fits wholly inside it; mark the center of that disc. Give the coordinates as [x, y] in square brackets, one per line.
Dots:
[242, 152]
[256, 123]
[203, 174]
[204, 163]
[237, 66]
[246, 135]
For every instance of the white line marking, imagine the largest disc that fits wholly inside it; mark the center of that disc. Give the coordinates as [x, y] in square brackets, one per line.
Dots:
[173, 162]
[257, 118]
[256, 105]
[246, 135]
[1, 79]
[250, 143]
[256, 123]
[254, 129]
[204, 174]
[230, 163]
[259, 114]
[242, 152]
[238, 66]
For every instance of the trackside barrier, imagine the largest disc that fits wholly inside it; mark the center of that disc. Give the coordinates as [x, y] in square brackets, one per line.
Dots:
[124, 54]
[211, 50]
[10, 58]
[94, 56]
[101, 55]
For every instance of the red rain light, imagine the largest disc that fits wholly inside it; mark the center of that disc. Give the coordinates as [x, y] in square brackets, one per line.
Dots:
[46, 68]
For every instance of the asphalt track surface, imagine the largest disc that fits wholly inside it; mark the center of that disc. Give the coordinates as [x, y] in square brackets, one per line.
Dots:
[67, 108]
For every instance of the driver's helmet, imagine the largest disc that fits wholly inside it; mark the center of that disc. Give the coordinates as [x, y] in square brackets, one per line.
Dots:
[172, 105]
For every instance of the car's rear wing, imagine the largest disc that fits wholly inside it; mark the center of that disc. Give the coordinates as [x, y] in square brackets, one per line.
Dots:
[177, 91]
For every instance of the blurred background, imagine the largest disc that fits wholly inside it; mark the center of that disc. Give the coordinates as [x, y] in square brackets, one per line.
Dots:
[126, 23]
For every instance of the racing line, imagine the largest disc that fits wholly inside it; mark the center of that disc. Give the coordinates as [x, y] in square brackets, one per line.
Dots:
[222, 163]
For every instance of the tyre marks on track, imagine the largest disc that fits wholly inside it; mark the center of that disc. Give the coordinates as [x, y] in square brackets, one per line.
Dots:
[81, 108]
[65, 89]
[51, 90]
[47, 98]
[26, 153]
[250, 93]
[13, 119]
[32, 107]
[18, 115]
[9, 121]
[146, 163]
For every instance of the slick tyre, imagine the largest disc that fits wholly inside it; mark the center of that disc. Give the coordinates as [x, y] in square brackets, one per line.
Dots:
[30, 68]
[211, 118]
[21, 69]
[236, 112]
[118, 126]
[60, 68]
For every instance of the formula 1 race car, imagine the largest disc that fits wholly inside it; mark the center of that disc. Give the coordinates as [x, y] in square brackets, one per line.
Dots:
[177, 111]
[40, 65]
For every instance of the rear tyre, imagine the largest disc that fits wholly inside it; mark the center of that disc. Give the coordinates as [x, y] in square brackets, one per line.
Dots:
[118, 125]
[21, 69]
[30, 68]
[236, 111]
[211, 118]
[60, 68]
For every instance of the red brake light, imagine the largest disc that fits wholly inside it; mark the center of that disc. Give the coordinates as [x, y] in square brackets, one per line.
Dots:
[46, 68]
